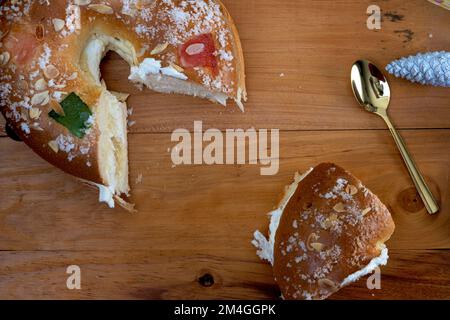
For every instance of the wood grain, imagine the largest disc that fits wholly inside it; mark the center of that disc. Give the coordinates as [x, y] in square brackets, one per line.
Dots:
[197, 206]
[172, 274]
[313, 43]
[197, 220]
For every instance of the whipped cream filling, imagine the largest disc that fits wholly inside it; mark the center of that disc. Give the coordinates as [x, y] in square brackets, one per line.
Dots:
[381, 260]
[106, 194]
[153, 66]
[265, 247]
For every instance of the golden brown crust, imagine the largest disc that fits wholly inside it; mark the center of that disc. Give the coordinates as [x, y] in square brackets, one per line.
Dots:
[331, 228]
[241, 93]
[45, 40]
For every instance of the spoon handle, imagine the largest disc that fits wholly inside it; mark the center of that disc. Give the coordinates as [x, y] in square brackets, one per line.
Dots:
[421, 186]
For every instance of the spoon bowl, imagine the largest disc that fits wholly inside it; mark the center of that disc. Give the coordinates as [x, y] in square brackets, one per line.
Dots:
[370, 87]
[371, 90]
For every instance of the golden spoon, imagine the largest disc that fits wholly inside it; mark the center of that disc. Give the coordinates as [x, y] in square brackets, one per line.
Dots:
[372, 91]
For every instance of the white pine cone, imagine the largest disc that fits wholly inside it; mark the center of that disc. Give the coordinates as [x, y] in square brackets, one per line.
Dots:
[431, 68]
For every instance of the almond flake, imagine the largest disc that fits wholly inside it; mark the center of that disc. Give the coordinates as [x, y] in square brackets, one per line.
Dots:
[140, 4]
[340, 207]
[41, 98]
[23, 85]
[317, 246]
[351, 190]
[366, 211]
[51, 72]
[313, 237]
[57, 107]
[59, 86]
[35, 113]
[327, 284]
[101, 8]
[4, 58]
[46, 101]
[54, 146]
[36, 126]
[195, 49]
[82, 2]
[177, 67]
[40, 85]
[160, 48]
[58, 24]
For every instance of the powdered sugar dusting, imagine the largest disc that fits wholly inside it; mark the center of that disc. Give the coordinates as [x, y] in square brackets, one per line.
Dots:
[73, 19]
[171, 21]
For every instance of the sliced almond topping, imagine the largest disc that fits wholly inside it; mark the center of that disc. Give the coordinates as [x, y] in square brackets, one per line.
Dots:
[57, 107]
[40, 85]
[36, 126]
[340, 207]
[59, 86]
[54, 146]
[177, 67]
[195, 48]
[23, 84]
[46, 100]
[313, 237]
[140, 4]
[41, 98]
[58, 24]
[366, 211]
[317, 246]
[327, 284]
[51, 72]
[4, 58]
[160, 48]
[82, 2]
[351, 190]
[40, 32]
[101, 8]
[35, 113]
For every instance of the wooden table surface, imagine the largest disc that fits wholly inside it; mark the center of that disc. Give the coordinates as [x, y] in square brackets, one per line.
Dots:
[199, 220]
